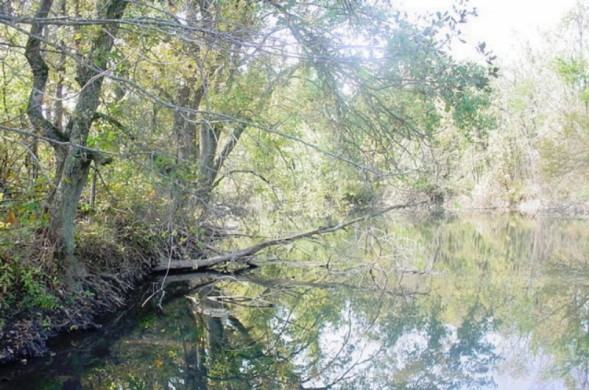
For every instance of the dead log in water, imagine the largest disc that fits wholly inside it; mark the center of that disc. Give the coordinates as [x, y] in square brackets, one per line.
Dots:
[245, 256]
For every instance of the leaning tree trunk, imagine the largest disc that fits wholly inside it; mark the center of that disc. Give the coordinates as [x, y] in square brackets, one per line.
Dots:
[73, 159]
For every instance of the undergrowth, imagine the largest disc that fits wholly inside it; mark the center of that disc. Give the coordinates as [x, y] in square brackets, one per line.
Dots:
[118, 252]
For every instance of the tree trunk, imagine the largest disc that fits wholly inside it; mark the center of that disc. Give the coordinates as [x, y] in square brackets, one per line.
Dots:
[209, 139]
[184, 123]
[72, 158]
[62, 211]
[185, 129]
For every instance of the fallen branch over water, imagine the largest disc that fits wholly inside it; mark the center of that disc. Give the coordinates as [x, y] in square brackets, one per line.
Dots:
[244, 256]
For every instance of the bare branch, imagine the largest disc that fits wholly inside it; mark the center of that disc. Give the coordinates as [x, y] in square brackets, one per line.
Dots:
[252, 172]
[40, 74]
[32, 155]
[229, 146]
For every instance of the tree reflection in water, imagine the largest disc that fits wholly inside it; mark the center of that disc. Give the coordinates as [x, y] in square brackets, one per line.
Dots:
[276, 333]
[499, 303]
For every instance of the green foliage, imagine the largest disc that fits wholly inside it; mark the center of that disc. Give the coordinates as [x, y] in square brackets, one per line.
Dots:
[573, 71]
[357, 193]
[554, 165]
[24, 287]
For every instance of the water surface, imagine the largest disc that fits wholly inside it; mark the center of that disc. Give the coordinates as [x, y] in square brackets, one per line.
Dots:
[472, 303]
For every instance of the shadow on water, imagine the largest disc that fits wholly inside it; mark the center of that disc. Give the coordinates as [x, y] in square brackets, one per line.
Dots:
[469, 303]
[72, 354]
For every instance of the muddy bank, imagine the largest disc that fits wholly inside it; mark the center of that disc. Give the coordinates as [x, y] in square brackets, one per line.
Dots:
[23, 338]
[36, 307]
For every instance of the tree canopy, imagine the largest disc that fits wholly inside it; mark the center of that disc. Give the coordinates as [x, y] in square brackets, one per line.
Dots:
[181, 96]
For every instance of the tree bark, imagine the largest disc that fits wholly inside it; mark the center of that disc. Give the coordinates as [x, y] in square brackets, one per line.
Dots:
[209, 140]
[184, 123]
[185, 129]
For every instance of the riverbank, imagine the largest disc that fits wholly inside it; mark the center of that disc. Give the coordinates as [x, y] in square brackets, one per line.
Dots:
[34, 306]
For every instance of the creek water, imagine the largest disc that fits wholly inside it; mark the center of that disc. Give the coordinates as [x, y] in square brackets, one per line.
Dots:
[471, 303]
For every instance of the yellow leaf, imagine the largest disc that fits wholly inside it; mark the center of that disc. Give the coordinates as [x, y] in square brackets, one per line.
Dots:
[11, 217]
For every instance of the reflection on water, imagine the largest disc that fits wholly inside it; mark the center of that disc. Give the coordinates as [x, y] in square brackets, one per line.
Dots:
[473, 303]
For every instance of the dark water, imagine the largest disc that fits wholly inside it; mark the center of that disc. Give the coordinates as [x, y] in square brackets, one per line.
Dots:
[474, 303]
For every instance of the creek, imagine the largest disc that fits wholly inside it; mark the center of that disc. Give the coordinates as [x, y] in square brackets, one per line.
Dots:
[475, 302]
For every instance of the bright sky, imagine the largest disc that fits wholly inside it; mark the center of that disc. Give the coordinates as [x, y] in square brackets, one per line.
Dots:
[504, 24]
